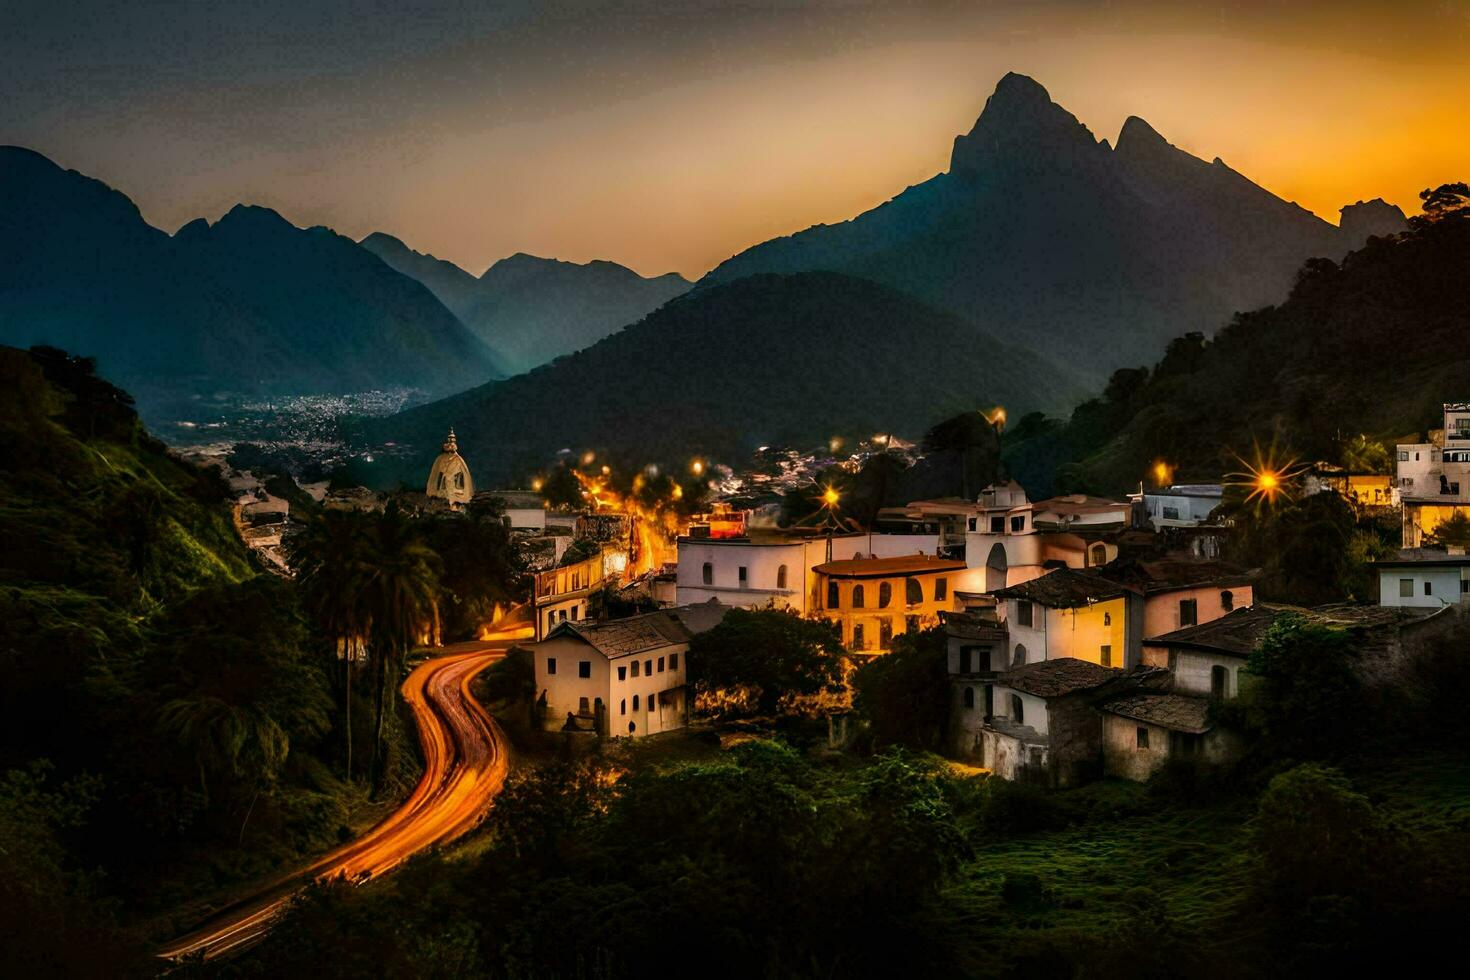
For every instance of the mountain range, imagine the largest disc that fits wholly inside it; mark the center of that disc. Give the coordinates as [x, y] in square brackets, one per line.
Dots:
[1042, 235]
[768, 359]
[248, 304]
[528, 309]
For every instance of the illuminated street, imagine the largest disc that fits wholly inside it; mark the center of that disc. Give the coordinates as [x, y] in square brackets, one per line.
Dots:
[465, 765]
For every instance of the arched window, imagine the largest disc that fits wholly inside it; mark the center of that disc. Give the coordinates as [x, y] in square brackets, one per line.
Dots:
[781, 577]
[1099, 554]
[1018, 710]
[632, 727]
[969, 697]
[707, 574]
[623, 706]
[459, 481]
[635, 702]
[885, 595]
[857, 597]
[913, 592]
[834, 599]
[1227, 600]
[1020, 657]
[440, 485]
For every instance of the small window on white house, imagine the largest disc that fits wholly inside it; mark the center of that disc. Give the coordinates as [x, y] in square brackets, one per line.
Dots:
[1018, 524]
[1023, 612]
[584, 668]
[551, 665]
[744, 577]
[1406, 588]
[1428, 587]
[708, 575]
[1142, 737]
[781, 577]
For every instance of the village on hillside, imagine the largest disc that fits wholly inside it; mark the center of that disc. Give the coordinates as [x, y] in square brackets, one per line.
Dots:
[1085, 636]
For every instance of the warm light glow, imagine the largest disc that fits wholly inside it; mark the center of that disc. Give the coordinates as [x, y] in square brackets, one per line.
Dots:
[830, 496]
[1163, 474]
[996, 416]
[697, 467]
[1266, 478]
[835, 443]
[536, 484]
[588, 458]
[606, 470]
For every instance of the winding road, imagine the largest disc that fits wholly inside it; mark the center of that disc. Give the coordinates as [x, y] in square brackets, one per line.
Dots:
[465, 765]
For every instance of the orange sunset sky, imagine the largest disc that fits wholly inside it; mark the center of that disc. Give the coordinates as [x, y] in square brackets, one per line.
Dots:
[668, 136]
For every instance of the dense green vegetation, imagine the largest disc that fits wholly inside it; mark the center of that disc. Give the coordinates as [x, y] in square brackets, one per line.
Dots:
[1374, 344]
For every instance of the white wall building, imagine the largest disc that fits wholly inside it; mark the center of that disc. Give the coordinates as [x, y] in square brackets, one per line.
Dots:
[1182, 505]
[1434, 477]
[622, 677]
[773, 568]
[1014, 540]
[1424, 579]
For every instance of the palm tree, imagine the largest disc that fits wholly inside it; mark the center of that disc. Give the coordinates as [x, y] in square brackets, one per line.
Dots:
[334, 562]
[401, 594]
[225, 739]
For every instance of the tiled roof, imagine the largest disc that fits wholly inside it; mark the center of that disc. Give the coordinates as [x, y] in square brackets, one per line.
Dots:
[624, 637]
[1172, 572]
[883, 567]
[968, 626]
[1175, 712]
[1064, 588]
[1055, 678]
[1408, 557]
[1023, 733]
[1240, 632]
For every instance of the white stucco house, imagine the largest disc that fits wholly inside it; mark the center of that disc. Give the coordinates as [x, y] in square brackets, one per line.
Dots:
[1423, 578]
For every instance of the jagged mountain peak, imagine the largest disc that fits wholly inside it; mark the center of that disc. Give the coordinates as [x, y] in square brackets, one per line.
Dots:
[1365, 219]
[1138, 136]
[1021, 130]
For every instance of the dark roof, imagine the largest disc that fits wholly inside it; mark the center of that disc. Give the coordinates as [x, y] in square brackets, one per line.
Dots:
[1024, 733]
[969, 626]
[1064, 588]
[1059, 677]
[698, 617]
[887, 567]
[1238, 633]
[1409, 557]
[624, 637]
[1172, 711]
[1172, 572]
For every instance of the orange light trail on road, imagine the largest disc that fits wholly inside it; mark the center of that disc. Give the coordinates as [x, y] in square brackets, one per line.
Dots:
[466, 764]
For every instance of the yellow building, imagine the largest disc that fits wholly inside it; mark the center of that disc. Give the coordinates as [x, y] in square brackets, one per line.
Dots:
[564, 593]
[875, 599]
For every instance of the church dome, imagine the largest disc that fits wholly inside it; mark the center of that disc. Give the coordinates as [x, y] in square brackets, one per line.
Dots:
[449, 477]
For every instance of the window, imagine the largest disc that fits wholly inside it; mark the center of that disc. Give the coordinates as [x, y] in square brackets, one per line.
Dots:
[989, 700]
[997, 525]
[1099, 554]
[1227, 600]
[1188, 612]
[972, 523]
[885, 633]
[1023, 612]
[1406, 588]
[1403, 457]
[857, 636]
[550, 621]
[833, 599]
[965, 654]
[582, 706]
[1018, 524]
[913, 592]
[584, 668]
[551, 665]
[635, 668]
[1142, 737]
[983, 659]
[1020, 655]
[744, 577]
[623, 673]
[1018, 710]
[1428, 587]
[632, 727]
[623, 706]
[673, 661]
[1171, 513]
[1464, 586]
[969, 697]
[1106, 653]
[660, 665]
[858, 599]
[562, 615]
[575, 611]
[648, 666]
[781, 576]
[635, 702]
[708, 574]
[885, 595]
[1219, 678]
[459, 481]
[941, 589]
[1107, 619]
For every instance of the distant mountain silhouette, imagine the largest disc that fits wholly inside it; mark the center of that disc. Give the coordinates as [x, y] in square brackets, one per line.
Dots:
[529, 309]
[250, 304]
[765, 360]
[1042, 235]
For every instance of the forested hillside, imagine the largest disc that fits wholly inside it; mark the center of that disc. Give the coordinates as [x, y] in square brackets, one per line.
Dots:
[1372, 345]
